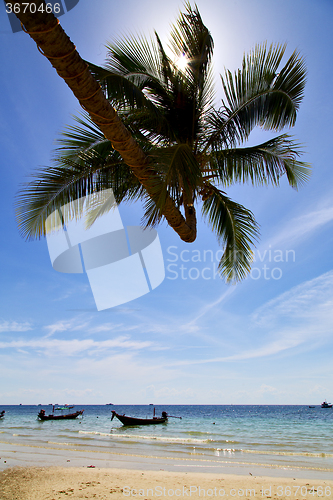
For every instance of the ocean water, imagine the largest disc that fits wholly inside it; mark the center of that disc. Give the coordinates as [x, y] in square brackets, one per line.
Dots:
[296, 437]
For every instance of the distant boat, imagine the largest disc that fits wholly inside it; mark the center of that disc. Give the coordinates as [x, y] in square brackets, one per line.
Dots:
[2, 413]
[64, 416]
[109, 404]
[325, 404]
[311, 406]
[140, 421]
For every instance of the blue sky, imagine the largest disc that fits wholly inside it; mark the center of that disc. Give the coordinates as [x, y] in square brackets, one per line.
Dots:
[194, 339]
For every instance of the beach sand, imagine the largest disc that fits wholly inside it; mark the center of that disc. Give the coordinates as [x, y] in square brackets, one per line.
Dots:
[55, 483]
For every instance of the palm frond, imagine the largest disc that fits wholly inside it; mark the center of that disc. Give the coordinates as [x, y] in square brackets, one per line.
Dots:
[165, 63]
[75, 140]
[133, 55]
[236, 230]
[54, 187]
[260, 95]
[105, 200]
[152, 213]
[179, 170]
[125, 90]
[263, 164]
[191, 37]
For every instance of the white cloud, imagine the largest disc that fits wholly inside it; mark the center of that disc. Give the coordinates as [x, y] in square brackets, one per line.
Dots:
[60, 326]
[107, 327]
[288, 340]
[13, 326]
[63, 326]
[302, 316]
[77, 324]
[207, 308]
[75, 346]
[311, 299]
[303, 226]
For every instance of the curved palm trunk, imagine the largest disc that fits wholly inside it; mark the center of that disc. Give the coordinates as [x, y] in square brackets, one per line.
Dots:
[51, 39]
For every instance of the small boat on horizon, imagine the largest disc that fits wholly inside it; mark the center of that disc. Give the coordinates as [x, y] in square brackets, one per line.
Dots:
[64, 416]
[325, 404]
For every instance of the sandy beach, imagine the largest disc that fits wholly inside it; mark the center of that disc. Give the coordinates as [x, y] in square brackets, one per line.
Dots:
[188, 459]
[55, 483]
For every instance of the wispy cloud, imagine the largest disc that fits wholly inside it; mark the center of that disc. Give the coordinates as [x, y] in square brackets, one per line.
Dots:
[208, 307]
[311, 299]
[270, 349]
[63, 326]
[289, 340]
[301, 227]
[13, 326]
[108, 327]
[301, 317]
[80, 323]
[76, 346]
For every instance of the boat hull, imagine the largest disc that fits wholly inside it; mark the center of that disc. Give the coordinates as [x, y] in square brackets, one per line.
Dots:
[139, 421]
[69, 416]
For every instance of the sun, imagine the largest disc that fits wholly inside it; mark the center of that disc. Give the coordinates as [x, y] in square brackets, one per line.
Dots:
[181, 62]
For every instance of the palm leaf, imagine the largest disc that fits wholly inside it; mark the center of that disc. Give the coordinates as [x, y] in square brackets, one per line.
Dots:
[75, 140]
[259, 95]
[133, 56]
[236, 230]
[165, 63]
[263, 164]
[54, 187]
[190, 37]
[125, 90]
[179, 171]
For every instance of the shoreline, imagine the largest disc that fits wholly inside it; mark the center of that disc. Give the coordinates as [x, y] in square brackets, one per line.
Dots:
[53, 483]
[25, 455]
[262, 441]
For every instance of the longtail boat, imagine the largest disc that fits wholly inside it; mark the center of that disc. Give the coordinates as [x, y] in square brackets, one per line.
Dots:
[140, 421]
[325, 404]
[64, 416]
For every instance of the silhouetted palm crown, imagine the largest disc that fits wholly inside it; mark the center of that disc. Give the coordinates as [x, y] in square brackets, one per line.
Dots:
[197, 150]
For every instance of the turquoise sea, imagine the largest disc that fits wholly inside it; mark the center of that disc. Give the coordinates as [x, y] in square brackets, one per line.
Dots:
[296, 438]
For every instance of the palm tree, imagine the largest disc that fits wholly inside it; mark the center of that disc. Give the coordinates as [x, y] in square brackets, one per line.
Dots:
[191, 151]
[55, 45]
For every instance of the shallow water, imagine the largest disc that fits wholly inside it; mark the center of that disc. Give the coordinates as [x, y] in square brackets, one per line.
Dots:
[271, 436]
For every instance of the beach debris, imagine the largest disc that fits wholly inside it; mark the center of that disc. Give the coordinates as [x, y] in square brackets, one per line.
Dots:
[90, 466]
